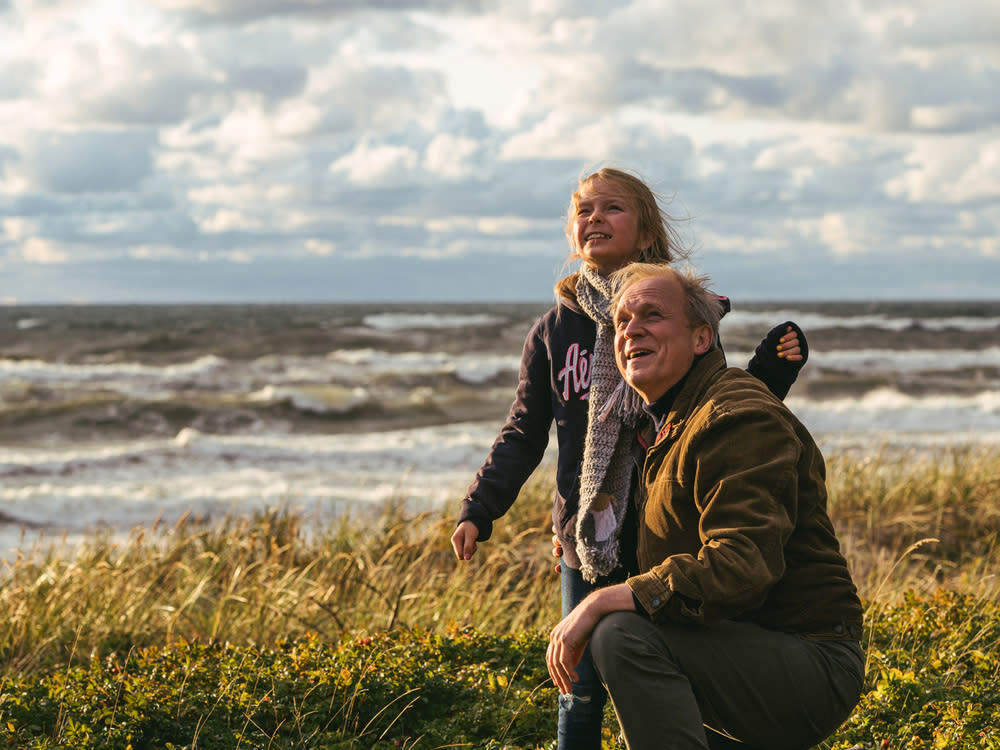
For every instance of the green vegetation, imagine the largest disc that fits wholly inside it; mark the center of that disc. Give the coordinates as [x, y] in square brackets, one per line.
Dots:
[262, 633]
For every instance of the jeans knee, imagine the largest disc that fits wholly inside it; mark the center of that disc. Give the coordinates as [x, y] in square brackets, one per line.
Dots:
[578, 703]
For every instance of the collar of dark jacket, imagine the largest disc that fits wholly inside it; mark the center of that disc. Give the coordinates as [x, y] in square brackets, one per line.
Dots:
[660, 408]
[689, 389]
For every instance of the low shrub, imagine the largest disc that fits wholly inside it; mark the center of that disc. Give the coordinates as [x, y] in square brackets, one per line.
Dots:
[400, 689]
[933, 683]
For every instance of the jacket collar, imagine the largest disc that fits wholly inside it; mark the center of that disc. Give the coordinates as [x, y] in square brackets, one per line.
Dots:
[694, 384]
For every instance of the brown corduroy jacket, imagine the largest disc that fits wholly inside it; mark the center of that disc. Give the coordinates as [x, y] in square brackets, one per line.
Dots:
[732, 514]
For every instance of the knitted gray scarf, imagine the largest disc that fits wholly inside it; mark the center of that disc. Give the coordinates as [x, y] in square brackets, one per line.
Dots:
[608, 450]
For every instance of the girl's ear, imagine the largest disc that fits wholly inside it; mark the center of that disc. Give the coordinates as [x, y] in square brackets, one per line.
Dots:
[703, 338]
[645, 242]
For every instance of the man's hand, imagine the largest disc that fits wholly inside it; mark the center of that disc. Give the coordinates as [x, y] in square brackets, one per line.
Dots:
[464, 540]
[570, 637]
[566, 644]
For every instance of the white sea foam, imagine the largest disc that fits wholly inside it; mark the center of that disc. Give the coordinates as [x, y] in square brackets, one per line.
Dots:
[888, 411]
[42, 371]
[406, 321]
[319, 399]
[306, 381]
[810, 321]
[472, 368]
[867, 361]
[134, 483]
[274, 460]
[911, 360]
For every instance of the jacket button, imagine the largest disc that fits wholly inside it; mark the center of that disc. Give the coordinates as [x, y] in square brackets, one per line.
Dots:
[656, 601]
[838, 629]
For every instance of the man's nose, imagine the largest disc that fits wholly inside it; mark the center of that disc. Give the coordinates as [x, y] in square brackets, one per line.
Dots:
[595, 217]
[632, 328]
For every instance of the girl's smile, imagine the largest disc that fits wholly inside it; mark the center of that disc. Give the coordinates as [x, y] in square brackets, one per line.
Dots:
[606, 229]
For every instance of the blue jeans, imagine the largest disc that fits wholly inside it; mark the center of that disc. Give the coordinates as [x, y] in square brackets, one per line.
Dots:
[582, 712]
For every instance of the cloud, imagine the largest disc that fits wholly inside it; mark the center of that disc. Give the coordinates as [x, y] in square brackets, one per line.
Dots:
[90, 161]
[223, 139]
[953, 171]
[938, 26]
[38, 250]
[248, 11]
[20, 78]
[273, 82]
[373, 165]
[451, 156]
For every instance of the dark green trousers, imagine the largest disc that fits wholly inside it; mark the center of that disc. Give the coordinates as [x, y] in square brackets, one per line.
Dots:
[680, 687]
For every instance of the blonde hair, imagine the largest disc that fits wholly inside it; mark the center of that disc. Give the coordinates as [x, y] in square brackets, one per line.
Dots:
[701, 306]
[653, 220]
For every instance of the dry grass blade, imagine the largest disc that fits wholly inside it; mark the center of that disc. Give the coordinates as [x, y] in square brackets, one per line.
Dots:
[263, 580]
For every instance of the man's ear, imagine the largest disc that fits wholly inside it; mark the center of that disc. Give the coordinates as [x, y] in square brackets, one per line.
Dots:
[704, 338]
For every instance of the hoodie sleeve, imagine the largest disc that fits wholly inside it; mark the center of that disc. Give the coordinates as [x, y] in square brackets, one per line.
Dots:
[776, 373]
[520, 446]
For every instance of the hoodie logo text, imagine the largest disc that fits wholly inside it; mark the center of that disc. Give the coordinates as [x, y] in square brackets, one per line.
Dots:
[575, 376]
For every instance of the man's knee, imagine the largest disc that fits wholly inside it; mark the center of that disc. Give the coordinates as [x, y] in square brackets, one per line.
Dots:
[613, 642]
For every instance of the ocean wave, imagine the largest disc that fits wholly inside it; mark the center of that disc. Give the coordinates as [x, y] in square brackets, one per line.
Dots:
[910, 360]
[410, 321]
[318, 399]
[26, 324]
[889, 410]
[140, 482]
[812, 321]
[472, 368]
[37, 370]
[134, 482]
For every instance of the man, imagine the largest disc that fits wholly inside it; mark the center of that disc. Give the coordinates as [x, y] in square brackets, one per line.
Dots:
[743, 620]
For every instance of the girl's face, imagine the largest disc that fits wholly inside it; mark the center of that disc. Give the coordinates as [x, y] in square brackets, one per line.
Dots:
[606, 228]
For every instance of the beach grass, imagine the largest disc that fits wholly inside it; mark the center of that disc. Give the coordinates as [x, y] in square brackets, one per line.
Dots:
[277, 631]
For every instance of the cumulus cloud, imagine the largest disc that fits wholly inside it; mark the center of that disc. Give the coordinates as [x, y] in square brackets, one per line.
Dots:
[450, 156]
[45, 252]
[373, 165]
[248, 11]
[90, 161]
[241, 135]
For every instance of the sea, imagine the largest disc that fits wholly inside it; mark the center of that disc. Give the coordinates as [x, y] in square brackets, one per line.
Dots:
[114, 418]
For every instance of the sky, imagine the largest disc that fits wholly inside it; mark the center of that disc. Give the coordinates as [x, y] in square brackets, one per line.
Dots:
[156, 151]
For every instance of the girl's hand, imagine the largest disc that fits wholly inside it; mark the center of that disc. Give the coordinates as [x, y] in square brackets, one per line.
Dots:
[788, 346]
[556, 548]
[463, 541]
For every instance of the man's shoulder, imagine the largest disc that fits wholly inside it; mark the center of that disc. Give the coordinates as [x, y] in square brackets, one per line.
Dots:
[733, 390]
[736, 378]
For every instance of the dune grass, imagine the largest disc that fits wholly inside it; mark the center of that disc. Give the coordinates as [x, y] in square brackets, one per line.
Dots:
[269, 632]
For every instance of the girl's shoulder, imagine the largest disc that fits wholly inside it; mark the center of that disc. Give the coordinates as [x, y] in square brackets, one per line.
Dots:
[566, 288]
[565, 321]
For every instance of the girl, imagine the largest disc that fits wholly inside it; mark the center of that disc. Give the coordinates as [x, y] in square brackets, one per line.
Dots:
[568, 374]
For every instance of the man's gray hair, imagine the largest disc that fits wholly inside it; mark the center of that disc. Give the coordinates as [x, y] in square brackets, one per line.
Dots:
[702, 306]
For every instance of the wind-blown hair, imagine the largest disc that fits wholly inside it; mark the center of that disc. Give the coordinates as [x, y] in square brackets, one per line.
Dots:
[701, 305]
[654, 221]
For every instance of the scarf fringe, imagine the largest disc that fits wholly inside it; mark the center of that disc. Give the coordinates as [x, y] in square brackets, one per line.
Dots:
[624, 403]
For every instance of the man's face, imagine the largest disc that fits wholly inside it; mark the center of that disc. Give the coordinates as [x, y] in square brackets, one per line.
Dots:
[654, 345]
